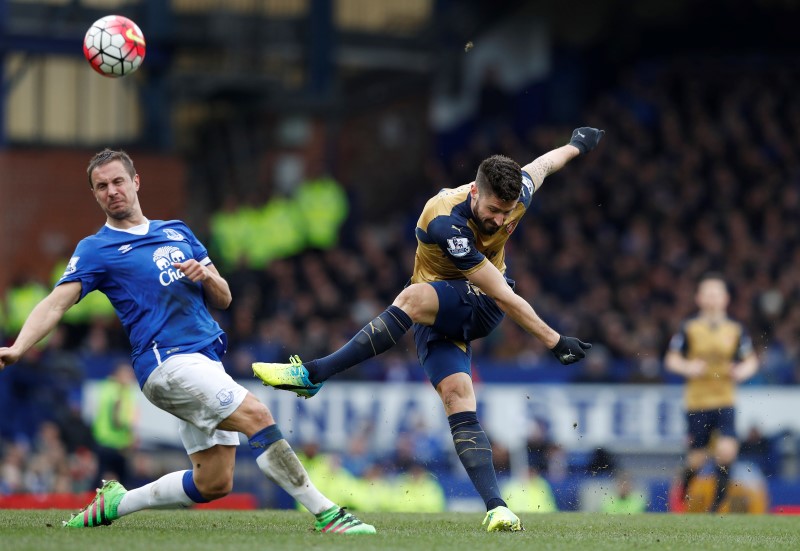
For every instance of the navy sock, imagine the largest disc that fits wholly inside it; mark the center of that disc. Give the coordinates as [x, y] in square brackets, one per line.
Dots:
[263, 439]
[475, 453]
[376, 337]
[688, 476]
[723, 477]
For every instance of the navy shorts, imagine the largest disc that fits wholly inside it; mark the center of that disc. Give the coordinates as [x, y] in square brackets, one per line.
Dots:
[703, 423]
[465, 314]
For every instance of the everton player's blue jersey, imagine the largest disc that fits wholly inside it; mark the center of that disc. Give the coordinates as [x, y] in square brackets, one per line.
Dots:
[162, 311]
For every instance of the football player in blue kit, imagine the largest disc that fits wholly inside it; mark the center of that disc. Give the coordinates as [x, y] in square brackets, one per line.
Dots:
[160, 280]
[458, 293]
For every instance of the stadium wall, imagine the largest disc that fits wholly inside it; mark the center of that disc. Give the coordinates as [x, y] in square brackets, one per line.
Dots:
[47, 205]
[622, 419]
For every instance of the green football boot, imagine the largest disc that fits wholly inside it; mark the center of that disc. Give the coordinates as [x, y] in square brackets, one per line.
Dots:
[292, 376]
[102, 511]
[337, 520]
[501, 519]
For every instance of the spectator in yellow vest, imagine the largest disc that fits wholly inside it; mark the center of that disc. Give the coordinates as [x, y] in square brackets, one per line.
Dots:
[374, 490]
[418, 492]
[20, 300]
[114, 423]
[532, 494]
[324, 206]
[626, 501]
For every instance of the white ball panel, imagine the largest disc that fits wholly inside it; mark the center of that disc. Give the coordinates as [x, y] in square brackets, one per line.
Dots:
[110, 60]
[113, 51]
[117, 40]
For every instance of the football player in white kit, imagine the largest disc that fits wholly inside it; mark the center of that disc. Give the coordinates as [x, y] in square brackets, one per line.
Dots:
[160, 279]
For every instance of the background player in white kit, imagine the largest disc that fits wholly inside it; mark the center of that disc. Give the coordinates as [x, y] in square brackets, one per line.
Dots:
[159, 278]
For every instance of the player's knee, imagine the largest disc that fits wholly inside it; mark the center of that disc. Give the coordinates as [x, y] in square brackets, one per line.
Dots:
[216, 487]
[415, 301]
[452, 402]
[696, 459]
[726, 452]
[250, 417]
[456, 396]
[261, 415]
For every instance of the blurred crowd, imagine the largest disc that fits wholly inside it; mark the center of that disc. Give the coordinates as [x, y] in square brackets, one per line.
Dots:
[699, 170]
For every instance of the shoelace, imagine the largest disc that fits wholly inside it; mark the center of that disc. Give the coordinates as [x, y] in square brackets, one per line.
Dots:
[346, 517]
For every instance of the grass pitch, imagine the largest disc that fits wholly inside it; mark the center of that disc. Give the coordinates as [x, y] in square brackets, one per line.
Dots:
[279, 530]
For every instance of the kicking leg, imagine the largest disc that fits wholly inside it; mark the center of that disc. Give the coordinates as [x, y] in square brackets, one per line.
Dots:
[418, 303]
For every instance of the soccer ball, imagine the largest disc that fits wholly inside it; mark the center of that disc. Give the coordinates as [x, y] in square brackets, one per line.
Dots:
[114, 46]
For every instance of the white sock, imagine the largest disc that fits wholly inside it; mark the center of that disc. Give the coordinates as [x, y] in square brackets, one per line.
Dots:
[281, 466]
[165, 493]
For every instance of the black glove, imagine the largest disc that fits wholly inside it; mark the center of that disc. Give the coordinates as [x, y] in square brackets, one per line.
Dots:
[586, 138]
[569, 350]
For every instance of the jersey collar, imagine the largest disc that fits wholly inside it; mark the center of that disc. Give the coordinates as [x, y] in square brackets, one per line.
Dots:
[141, 229]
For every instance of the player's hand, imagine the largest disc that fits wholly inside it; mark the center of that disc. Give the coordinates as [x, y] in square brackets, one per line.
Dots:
[694, 368]
[586, 138]
[192, 269]
[7, 357]
[569, 350]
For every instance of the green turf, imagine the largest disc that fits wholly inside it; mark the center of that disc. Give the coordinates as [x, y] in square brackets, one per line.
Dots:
[278, 530]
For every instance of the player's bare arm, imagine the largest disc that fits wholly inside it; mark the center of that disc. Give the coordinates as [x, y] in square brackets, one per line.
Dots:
[584, 139]
[566, 349]
[552, 161]
[43, 319]
[677, 363]
[492, 282]
[215, 288]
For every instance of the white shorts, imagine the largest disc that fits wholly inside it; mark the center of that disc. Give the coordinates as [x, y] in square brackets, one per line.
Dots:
[198, 391]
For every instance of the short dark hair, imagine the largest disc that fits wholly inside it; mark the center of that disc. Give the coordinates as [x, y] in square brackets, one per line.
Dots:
[501, 177]
[714, 276]
[708, 276]
[106, 156]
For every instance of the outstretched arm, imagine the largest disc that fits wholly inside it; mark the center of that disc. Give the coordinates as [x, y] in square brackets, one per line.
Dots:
[583, 140]
[42, 319]
[566, 349]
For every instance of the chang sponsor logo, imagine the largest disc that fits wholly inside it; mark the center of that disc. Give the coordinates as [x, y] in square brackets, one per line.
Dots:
[164, 257]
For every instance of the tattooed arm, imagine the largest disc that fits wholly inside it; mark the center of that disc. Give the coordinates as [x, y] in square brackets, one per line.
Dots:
[550, 162]
[584, 139]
